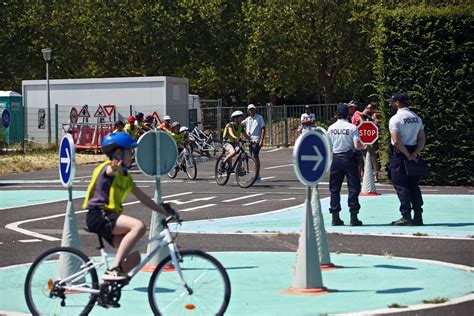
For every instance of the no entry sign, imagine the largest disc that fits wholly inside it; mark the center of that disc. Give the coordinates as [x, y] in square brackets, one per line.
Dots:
[369, 132]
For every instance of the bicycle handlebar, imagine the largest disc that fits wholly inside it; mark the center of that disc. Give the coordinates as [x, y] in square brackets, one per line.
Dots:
[174, 215]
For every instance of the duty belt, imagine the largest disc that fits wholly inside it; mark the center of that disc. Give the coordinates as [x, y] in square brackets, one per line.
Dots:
[345, 154]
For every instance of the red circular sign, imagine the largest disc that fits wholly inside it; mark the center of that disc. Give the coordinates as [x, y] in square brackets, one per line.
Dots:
[369, 132]
[73, 115]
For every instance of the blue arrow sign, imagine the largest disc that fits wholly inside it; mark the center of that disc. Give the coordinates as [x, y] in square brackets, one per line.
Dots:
[311, 157]
[6, 118]
[67, 161]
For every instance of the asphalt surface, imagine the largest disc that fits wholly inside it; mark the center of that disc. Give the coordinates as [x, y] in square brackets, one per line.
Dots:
[204, 199]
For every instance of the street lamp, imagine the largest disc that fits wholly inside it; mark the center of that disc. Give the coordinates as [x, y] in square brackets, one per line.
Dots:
[47, 57]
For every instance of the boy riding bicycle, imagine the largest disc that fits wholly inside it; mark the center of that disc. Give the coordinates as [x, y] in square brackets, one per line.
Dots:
[108, 189]
[231, 136]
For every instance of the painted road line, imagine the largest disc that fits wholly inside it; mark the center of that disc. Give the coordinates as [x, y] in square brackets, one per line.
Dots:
[14, 226]
[179, 202]
[242, 197]
[256, 202]
[30, 240]
[271, 151]
[276, 167]
[288, 199]
[197, 207]
[267, 178]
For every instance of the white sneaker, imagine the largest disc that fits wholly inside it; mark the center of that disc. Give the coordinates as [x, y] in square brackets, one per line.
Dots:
[115, 274]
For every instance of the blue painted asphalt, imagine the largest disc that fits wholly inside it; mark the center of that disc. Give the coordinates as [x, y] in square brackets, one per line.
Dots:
[444, 215]
[365, 283]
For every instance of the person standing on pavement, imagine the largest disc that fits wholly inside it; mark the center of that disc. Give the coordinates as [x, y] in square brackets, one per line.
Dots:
[308, 119]
[407, 136]
[255, 128]
[345, 141]
[352, 109]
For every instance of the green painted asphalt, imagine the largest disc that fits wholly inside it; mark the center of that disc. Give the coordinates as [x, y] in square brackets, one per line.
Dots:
[444, 215]
[21, 198]
[365, 283]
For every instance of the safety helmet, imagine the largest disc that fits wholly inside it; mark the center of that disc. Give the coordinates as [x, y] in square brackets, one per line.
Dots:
[117, 140]
[118, 123]
[139, 115]
[183, 129]
[131, 119]
[237, 113]
[167, 118]
[174, 124]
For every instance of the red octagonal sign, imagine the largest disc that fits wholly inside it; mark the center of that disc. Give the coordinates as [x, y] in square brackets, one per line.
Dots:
[369, 132]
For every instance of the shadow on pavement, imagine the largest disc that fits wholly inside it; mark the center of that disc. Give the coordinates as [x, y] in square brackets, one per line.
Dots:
[399, 290]
[389, 266]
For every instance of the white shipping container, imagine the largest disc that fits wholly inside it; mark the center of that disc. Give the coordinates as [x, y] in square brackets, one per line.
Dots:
[165, 95]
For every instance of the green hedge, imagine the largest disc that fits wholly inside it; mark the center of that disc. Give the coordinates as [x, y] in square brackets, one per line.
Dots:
[428, 53]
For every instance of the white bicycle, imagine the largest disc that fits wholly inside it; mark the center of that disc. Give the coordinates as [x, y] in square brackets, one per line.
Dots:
[199, 285]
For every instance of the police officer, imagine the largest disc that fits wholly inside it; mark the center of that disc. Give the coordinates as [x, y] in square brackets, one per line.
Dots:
[408, 139]
[345, 142]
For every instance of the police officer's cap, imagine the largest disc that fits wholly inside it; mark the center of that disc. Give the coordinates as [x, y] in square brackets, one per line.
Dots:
[398, 97]
[342, 109]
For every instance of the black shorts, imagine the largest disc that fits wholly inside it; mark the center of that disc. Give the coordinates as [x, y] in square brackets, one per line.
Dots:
[102, 223]
[254, 149]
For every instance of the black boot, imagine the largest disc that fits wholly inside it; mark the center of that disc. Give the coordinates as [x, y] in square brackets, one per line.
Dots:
[354, 220]
[336, 221]
[418, 219]
[404, 221]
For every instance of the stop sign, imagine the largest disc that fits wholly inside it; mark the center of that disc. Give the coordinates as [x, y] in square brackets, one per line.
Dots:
[369, 132]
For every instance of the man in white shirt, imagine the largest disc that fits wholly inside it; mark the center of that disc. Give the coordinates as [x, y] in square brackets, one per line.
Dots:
[308, 119]
[408, 139]
[345, 142]
[255, 128]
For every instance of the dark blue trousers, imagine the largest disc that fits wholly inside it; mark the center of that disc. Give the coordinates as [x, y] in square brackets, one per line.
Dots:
[408, 190]
[344, 165]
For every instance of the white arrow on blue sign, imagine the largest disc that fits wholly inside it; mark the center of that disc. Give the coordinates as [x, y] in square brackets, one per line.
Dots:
[311, 157]
[6, 118]
[67, 161]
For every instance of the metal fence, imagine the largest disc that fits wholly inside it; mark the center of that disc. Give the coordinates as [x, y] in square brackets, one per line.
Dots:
[282, 121]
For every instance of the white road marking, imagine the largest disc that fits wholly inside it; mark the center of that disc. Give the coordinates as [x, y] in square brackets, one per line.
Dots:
[196, 208]
[271, 151]
[179, 202]
[30, 240]
[275, 167]
[266, 178]
[242, 197]
[256, 202]
[288, 199]
[14, 226]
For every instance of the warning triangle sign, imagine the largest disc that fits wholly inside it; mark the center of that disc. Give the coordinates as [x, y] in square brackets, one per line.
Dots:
[156, 116]
[100, 112]
[109, 109]
[84, 112]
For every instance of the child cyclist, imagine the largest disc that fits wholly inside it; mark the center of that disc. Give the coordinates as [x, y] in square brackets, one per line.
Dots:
[231, 137]
[108, 189]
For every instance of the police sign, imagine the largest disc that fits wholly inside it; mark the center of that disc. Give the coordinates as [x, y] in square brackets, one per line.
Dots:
[311, 157]
[67, 160]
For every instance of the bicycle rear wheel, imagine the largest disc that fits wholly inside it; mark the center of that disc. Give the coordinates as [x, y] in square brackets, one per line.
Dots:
[246, 171]
[191, 170]
[221, 177]
[46, 296]
[205, 276]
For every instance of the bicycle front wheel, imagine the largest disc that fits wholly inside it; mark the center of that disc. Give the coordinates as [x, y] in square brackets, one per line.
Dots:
[45, 294]
[204, 275]
[246, 173]
[191, 170]
[221, 177]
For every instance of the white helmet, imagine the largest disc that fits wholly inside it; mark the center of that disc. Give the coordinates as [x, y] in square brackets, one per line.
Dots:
[183, 129]
[237, 113]
[167, 118]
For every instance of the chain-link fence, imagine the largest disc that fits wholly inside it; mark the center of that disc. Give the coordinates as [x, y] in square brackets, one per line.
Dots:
[282, 121]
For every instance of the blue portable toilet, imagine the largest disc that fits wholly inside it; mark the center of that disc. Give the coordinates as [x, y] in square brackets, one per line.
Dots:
[13, 102]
